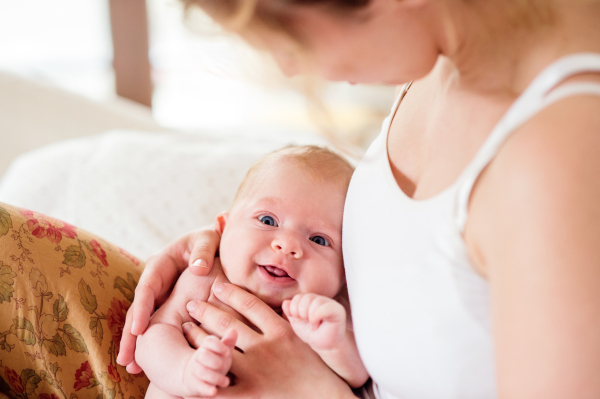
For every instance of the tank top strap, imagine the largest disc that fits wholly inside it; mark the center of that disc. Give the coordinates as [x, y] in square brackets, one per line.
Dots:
[572, 89]
[538, 95]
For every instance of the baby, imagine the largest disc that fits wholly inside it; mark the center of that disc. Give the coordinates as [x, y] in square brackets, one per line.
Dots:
[281, 240]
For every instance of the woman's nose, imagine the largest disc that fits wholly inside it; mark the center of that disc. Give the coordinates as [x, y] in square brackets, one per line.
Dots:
[287, 245]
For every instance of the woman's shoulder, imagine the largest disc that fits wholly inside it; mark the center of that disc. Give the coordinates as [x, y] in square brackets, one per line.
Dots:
[564, 135]
[544, 177]
[560, 134]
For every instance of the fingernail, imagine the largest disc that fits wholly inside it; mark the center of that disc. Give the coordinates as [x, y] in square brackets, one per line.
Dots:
[186, 327]
[191, 306]
[119, 360]
[133, 330]
[218, 287]
[200, 263]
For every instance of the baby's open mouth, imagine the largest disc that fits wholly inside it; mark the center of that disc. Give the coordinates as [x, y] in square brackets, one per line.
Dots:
[275, 271]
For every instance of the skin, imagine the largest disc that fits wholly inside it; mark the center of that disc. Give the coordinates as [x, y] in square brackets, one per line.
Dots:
[183, 371]
[534, 220]
[286, 219]
[322, 323]
[303, 208]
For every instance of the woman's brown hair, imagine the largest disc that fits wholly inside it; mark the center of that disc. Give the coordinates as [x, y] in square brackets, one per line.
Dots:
[237, 14]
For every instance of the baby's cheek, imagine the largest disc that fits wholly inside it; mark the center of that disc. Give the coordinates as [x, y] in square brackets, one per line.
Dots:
[233, 261]
[326, 284]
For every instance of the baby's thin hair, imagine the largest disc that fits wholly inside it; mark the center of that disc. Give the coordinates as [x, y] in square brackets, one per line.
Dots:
[320, 162]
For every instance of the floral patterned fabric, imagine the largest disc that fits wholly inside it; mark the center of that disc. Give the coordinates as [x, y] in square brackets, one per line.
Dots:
[63, 298]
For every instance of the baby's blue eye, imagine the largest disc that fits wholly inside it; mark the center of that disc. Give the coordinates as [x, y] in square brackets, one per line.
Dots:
[320, 241]
[268, 220]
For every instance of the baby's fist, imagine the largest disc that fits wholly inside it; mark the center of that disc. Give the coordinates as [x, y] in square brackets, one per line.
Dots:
[208, 367]
[317, 320]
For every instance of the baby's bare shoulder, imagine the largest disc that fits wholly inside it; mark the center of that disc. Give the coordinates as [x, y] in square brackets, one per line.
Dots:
[191, 287]
[188, 287]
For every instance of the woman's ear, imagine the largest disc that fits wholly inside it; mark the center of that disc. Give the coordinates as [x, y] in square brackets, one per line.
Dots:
[221, 221]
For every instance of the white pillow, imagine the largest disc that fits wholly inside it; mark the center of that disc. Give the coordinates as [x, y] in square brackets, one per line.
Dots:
[138, 190]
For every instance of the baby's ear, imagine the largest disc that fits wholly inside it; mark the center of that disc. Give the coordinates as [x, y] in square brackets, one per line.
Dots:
[221, 221]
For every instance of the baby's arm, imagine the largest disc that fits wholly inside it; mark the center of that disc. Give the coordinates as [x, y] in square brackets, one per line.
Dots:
[321, 322]
[165, 355]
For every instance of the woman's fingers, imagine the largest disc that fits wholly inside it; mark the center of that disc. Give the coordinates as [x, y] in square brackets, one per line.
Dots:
[203, 249]
[160, 273]
[216, 321]
[163, 269]
[194, 334]
[235, 391]
[143, 306]
[127, 346]
[252, 308]
[275, 368]
[274, 364]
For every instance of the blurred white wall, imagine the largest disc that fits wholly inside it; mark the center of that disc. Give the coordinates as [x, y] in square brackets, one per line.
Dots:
[202, 80]
[63, 42]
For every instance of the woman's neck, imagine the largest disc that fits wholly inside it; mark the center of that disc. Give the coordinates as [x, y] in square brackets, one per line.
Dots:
[485, 54]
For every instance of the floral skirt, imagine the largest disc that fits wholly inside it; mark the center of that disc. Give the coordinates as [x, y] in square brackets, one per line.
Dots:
[63, 298]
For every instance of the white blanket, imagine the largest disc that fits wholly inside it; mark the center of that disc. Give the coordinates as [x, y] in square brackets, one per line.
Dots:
[139, 190]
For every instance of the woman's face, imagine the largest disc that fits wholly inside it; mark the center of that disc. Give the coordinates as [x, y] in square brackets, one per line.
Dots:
[388, 41]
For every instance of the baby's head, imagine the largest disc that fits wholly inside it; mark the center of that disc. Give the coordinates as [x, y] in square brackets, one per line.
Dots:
[283, 234]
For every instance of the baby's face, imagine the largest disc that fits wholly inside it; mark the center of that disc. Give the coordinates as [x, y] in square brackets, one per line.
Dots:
[283, 236]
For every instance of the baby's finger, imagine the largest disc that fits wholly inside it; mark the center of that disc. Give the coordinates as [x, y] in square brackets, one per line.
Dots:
[328, 310]
[304, 305]
[315, 311]
[194, 334]
[215, 345]
[214, 378]
[204, 390]
[212, 360]
[133, 368]
[294, 304]
[285, 307]
[230, 338]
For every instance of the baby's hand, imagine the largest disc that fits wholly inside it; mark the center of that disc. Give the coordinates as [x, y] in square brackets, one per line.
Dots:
[317, 320]
[207, 369]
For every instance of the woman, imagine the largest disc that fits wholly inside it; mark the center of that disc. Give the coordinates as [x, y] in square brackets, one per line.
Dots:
[471, 226]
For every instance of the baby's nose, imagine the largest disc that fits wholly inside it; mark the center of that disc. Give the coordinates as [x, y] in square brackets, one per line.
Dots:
[287, 245]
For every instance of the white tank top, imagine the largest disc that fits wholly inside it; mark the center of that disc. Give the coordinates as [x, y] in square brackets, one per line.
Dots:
[421, 313]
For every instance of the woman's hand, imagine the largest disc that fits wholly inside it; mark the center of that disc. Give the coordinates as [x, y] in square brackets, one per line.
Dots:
[196, 250]
[274, 363]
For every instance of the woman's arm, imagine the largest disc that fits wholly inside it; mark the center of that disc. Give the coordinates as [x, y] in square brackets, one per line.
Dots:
[275, 363]
[534, 227]
[196, 250]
